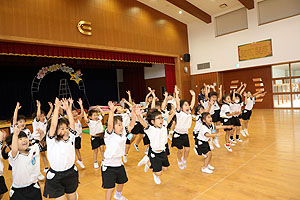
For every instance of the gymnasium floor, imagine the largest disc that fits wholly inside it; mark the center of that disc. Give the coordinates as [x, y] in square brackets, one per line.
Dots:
[265, 166]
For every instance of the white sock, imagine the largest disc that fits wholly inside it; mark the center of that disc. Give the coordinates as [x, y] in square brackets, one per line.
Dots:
[118, 194]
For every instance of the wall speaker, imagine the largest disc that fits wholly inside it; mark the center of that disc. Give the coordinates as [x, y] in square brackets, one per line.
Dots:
[186, 57]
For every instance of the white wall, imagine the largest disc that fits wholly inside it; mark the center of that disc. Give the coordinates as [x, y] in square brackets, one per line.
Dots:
[156, 71]
[222, 52]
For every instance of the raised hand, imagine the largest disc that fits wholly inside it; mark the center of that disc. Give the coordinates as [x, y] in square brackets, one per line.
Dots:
[111, 106]
[70, 100]
[149, 88]
[79, 101]
[18, 106]
[128, 92]
[220, 88]
[50, 104]
[137, 111]
[64, 104]
[38, 103]
[192, 92]
[16, 130]
[166, 94]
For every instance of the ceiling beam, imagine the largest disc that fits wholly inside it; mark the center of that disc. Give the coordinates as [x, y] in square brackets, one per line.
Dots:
[249, 4]
[193, 10]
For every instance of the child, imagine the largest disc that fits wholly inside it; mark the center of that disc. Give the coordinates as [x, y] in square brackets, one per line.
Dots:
[206, 131]
[96, 132]
[20, 120]
[184, 121]
[158, 136]
[236, 106]
[41, 122]
[226, 115]
[112, 168]
[247, 112]
[25, 162]
[3, 188]
[62, 177]
[78, 129]
[214, 111]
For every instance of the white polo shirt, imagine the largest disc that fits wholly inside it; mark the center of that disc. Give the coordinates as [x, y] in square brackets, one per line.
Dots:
[224, 110]
[214, 107]
[205, 130]
[198, 124]
[250, 102]
[78, 128]
[25, 168]
[38, 124]
[96, 127]
[158, 137]
[25, 130]
[115, 148]
[60, 153]
[236, 107]
[183, 122]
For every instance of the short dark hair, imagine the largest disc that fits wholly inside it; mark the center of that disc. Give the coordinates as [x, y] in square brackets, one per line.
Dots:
[157, 103]
[237, 95]
[92, 111]
[22, 134]
[203, 87]
[182, 102]
[212, 93]
[151, 114]
[21, 117]
[224, 97]
[204, 115]
[169, 107]
[197, 108]
[116, 119]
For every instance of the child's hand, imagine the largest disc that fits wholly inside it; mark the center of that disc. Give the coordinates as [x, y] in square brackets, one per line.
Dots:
[70, 100]
[149, 88]
[128, 92]
[220, 88]
[41, 132]
[2, 135]
[79, 101]
[111, 106]
[16, 130]
[57, 102]
[137, 111]
[64, 104]
[123, 100]
[192, 92]
[166, 94]
[50, 104]
[38, 103]
[18, 106]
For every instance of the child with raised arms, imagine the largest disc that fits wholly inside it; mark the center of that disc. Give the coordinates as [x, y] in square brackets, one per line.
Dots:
[112, 168]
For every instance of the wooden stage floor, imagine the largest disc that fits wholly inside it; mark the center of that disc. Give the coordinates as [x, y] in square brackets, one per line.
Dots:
[265, 166]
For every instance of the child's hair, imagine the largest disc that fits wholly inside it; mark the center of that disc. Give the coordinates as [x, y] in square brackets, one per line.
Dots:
[212, 93]
[8, 139]
[182, 102]
[224, 97]
[22, 134]
[20, 117]
[202, 88]
[237, 95]
[151, 114]
[92, 111]
[150, 96]
[73, 108]
[60, 122]
[204, 115]
[197, 108]
[157, 103]
[116, 119]
[169, 107]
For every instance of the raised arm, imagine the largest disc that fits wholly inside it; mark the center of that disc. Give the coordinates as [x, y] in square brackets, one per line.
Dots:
[243, 89]
[147, 96]
[165, 102]
[129, 96]
[14, 144]
[55, 117]
[67, 106]
[101, 111]
[177, 98]
[15, 117]
[110, 121]
[50, 111]
[240, 88]
[206, 91]
[220, 93]
[129, 104]
[210, 104]
[141, 120]
[38, 112]
[82, 113]
[132, 121]
[171, 115]
[193, 98]
[233, 96]
[153, 99]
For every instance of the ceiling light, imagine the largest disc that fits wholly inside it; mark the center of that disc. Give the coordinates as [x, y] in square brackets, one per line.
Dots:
[224, 5]
[180, 12]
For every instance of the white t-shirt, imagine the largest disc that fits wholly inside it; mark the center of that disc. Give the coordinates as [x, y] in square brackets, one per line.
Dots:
[25, 130]
[203, 130]
[173, 102]
[78, 128]
[214, 107]
[96, 127]
[236, 107]
[61, 154]
[38, 125]
[158, 137]
[250, 102]
[25, 168]
[224, 110]
[198, 124]
[115, 148]
[183, 122]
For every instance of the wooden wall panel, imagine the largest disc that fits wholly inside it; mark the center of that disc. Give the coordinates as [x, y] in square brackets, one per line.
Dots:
[126, 25]
[156, 84]
[198, 80]
[246, 76]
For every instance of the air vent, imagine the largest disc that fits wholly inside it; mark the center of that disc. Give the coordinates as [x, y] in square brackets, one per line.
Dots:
[203, 66]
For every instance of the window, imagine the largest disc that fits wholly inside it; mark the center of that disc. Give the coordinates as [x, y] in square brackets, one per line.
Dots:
[286, 85]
